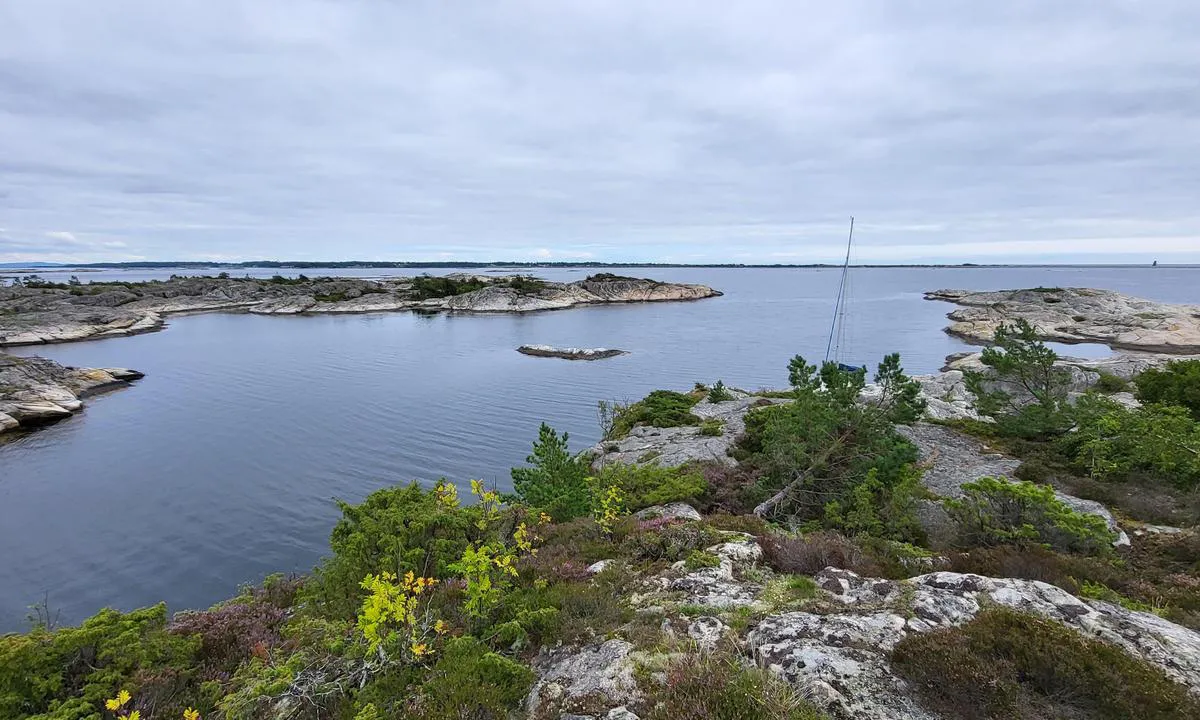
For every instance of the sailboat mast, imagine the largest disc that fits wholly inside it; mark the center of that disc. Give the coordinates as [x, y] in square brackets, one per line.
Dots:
[837, 305]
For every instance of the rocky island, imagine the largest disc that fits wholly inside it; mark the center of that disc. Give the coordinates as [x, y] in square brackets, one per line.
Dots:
[35, 312]
[1077, 315]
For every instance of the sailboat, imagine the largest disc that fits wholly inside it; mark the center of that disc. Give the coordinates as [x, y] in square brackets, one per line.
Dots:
[837, 328]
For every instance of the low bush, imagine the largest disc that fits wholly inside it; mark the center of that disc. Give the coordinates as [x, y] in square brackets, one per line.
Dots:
[712, 427]
[719, 393]
[1011, 665]
[233, 631]
[1109, 383]
[1177, 383]
[666, 540]
[425, 287]
[813, 552]
[731, 489]
[994, 511]
[68, 673]
[720, 686]
[470, 681]
[398, 530]
[661, 408]
[646, 485]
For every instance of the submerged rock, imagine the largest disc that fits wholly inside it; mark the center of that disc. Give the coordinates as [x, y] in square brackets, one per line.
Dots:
[570, 353]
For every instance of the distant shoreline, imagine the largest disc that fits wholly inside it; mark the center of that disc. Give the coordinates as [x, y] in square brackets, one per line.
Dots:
[367, 264]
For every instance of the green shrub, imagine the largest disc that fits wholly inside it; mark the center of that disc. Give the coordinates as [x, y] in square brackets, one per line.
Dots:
[719, 686]
[1113, 441]
[555, 481]
[815, 452]
[699, 560]
[1011, 665]
[719, 393]
[1178, 383]
[425, 287]
[1109, 383]
[1035, 403]
[661, 408]
[646, 485]
[397, 529]
[665, 540]
[994, 511]
[525, 284]
[471, 681]
[713, 427]
[68, 673]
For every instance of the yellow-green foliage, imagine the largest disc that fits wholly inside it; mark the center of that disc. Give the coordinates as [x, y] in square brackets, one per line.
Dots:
[609, 507]
[392, 620]
[488, 570]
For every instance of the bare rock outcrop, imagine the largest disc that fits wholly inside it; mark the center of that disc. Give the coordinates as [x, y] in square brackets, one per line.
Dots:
[673, 446]
[1076, 315]
[35, 391]
[841, 659]
[951, 459]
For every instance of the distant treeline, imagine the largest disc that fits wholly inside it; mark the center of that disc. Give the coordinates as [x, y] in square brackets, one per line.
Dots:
[301, 264]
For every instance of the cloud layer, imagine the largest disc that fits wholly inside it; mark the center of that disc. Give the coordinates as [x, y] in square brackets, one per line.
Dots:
[683, 130]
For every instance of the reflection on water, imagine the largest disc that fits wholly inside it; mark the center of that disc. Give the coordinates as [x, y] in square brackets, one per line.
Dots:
[220, 466]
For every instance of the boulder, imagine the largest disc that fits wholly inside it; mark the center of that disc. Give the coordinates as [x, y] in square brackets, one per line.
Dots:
[670, 511]
[578, 679]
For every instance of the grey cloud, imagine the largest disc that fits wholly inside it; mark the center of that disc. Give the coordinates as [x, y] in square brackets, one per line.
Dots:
[628, 131]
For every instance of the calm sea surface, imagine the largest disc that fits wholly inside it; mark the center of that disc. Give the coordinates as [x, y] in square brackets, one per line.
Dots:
[221, 465]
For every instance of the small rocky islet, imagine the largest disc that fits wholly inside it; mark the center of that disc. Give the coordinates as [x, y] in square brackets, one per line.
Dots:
[811, 609]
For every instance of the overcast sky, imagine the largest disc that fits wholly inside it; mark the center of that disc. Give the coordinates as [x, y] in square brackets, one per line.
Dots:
[689, 131]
